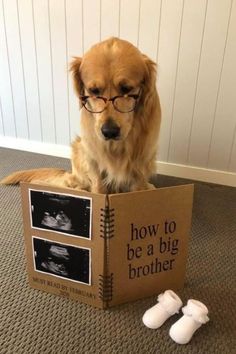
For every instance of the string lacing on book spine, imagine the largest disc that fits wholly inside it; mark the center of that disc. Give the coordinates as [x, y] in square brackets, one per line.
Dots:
[106, 287]
[107, 223]
[106, 232]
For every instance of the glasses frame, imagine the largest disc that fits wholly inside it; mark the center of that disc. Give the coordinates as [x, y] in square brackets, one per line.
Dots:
[112, 100]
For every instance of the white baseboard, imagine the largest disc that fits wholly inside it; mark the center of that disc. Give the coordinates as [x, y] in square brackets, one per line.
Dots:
[197, 173]
[35, 146]
[164, 168]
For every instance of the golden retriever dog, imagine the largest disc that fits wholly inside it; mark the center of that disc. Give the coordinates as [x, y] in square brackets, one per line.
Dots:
[120, 121]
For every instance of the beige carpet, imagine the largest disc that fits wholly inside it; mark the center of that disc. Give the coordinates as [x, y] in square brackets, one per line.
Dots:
[32, 321]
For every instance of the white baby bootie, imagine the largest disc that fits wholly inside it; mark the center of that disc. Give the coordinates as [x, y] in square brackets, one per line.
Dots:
[195, 314]
[168, 304]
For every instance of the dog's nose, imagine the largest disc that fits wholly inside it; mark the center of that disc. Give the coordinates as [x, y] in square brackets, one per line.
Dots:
[110, 130]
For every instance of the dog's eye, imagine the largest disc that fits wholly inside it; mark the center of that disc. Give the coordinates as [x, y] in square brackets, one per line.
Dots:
[125, 89]
[94, 91]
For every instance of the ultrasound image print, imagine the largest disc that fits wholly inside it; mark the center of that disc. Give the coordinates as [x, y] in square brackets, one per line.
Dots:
[61, 213]
[64, 261]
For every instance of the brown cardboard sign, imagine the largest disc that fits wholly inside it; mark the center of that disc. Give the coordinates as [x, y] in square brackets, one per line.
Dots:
[106, 249]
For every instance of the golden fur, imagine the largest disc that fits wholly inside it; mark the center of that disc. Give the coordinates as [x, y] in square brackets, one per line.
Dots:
[110, 166]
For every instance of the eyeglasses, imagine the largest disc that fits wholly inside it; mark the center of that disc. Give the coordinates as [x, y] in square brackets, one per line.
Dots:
[98, 104]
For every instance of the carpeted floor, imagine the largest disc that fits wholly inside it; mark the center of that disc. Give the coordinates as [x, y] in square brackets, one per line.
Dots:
[34, 322]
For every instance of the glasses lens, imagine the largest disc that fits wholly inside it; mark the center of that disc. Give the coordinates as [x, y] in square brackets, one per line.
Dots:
[124, 104]
[95, 104]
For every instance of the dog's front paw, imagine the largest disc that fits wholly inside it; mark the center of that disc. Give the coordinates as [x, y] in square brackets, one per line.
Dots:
[150, 186]
[141, 187]
[98, 189]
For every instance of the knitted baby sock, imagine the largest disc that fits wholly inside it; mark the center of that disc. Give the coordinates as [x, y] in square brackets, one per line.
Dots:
[195, 314]
[168, 304]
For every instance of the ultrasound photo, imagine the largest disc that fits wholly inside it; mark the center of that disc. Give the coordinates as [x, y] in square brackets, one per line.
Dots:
[61, 260]
[61, 213]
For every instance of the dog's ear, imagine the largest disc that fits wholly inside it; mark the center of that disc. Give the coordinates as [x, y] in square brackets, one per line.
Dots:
[149, 83]
[75, 69]
[149, 92]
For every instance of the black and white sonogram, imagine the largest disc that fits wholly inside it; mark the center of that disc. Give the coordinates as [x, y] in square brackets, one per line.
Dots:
[61, 260]
[61, 213]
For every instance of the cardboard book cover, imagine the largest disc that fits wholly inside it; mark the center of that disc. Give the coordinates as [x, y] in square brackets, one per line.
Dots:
[106, 249]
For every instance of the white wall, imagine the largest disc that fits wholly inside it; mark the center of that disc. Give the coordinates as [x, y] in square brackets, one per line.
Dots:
[193, 41]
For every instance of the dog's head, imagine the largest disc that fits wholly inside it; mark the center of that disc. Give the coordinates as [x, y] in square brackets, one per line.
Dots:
[114, 83]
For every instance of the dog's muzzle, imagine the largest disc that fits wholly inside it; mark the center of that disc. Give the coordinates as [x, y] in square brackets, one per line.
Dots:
[110, 130]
